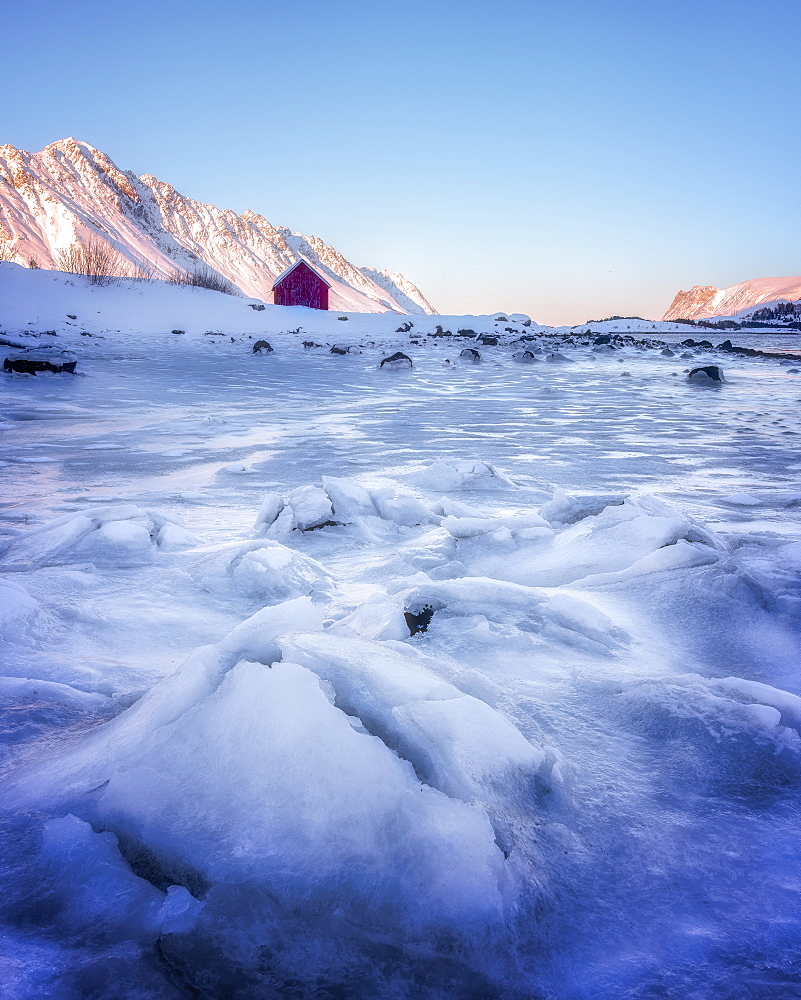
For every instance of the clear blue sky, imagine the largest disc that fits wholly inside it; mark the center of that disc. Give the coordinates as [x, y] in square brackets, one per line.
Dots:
[569, 160]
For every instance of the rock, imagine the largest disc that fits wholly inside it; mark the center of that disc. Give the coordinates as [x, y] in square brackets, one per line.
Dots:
[470, 354]
[420, 620]
[258, 306]
[405, 327]
[604, 338]
[311, 343]
[397, 360]
[667, 353]
[465, 333]
[525, 357]
[488, 341]
[340, 349]
[556, 356]
[709, 375]
[261, 346]
[30, 364]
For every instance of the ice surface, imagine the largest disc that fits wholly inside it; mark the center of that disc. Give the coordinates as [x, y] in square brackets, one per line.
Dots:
[578, 781]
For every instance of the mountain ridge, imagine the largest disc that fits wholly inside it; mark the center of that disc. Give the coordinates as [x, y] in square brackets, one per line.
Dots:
[707, 301]
[71, 191]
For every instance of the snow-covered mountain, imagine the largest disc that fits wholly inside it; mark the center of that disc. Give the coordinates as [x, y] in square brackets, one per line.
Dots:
[705, 301]
[70, 192]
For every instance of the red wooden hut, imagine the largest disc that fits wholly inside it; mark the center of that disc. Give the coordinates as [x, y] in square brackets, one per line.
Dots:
[301, 285]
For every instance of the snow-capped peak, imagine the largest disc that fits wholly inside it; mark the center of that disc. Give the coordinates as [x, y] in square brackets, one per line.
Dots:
[71, 192]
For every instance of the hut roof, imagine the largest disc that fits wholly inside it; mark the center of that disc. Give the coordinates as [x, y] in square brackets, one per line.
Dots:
[292, 267]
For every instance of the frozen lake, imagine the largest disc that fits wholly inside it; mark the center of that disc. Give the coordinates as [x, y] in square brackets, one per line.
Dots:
[580, 781]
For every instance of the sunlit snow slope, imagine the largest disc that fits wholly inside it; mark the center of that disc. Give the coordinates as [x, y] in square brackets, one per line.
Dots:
[70, 191]
[705, 301]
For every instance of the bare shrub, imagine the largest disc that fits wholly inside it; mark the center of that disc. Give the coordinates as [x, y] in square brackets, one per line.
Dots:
[141, 272]
[203, 276]
[96, 260]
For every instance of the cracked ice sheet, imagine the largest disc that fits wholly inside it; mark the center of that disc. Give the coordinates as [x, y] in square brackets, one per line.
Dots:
[601, 729]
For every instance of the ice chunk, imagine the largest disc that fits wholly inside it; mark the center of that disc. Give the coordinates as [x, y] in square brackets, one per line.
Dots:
[265, 782]
[106, 749]
[119, 535]
[456, 742]
[302, 509]
[400, 506]
[92, 884]
[378, 618]
[564, 509]
[612, 541]
[264, 569]
[350, 501]
[449, 476]
[310, 505]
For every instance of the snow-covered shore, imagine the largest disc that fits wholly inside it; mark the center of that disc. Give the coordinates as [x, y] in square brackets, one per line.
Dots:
[230, 770]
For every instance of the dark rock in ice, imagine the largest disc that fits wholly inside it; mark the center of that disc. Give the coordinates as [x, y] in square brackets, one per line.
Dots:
[465, 333]
[30, 364]
[526, 357]
[488, 341]
[397, 360]
[258, 306]
[261, 346]
[604, 338]
[470, 354]
[311, 343]
[420, 620]
[667, 353]
[707, 374]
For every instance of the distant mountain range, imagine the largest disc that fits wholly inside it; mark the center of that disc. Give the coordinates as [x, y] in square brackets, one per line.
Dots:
[706, 301]
[72, 193]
